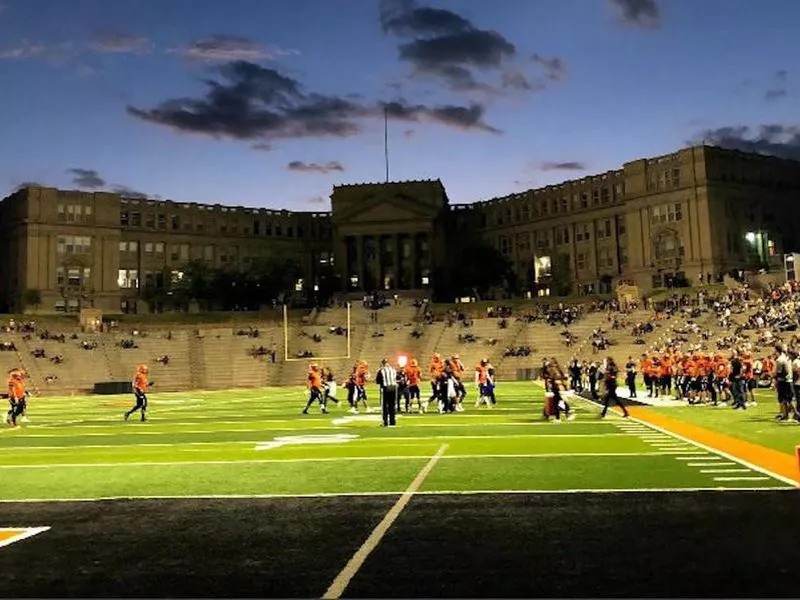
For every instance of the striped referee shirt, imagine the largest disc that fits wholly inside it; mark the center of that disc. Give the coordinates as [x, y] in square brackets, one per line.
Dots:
[387, 376]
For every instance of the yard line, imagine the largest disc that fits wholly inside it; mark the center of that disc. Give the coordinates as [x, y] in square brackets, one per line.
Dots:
[703, 464]
[697, 455]
[725, 471]
[262, 440]
[716, 490]
[715, 451]
[343, 579]
[246, 461]
[740, 478]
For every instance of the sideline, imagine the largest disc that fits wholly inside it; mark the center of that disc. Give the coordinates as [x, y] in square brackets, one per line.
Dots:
[766, 460]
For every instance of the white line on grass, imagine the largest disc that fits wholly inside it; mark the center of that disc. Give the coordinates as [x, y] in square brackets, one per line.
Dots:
[397, 492]
[740, 478]
[725, 471]
[705, 464]
[720, 453]
[24, 534]
[256, 461]
[343, 579]
[696, 456]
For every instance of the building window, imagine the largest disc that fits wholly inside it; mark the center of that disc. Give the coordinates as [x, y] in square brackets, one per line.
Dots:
[176, 222]
[150, 221]
[505, 246]
[148, 248]
[584, 200]
[136, 219]
[60, 306]
[595, 197]
[564, 204]
[582, 233]
[623, 256]
[676, 177]
[562, 236]
[580, 261]
[208, 253]
[159, 247]
[128, 278]
[129, 246]
[604, 196]
[74, 244]
[621, 226]
[123, 218]
[604, 258]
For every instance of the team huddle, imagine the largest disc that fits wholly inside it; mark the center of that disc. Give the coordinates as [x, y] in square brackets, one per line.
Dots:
[446, 379]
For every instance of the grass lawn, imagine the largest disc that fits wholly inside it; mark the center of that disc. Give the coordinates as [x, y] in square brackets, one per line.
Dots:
[254, 443]
[757, 424]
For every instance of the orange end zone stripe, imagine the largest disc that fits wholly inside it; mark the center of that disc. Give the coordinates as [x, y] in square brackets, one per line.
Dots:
[772, 460]
[9, 535]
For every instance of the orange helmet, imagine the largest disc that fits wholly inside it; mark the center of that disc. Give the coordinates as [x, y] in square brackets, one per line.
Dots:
[142, 369]
[414, 362]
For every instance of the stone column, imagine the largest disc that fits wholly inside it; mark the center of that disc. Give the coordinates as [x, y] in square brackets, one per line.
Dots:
[360, 260]
[398, 260]
[415, 270]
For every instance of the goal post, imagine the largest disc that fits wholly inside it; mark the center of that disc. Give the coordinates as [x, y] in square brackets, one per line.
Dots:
[288, 358]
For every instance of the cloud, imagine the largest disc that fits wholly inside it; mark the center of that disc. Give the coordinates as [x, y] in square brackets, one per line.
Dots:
[86, 178]
[782, 141]
[640, 13]
[779, 89]
[26, 184]
[776, 93]
[124, 190]
[318, 200]
[409, 133]
[120, 43]
[328, 167]
[555, 69]
[562, 166]
[443, 45]
[257, 103]
[27, 50]
[261, 147]
[224, 48]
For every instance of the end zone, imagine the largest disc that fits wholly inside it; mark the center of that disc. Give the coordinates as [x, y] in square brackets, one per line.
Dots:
[9, 535]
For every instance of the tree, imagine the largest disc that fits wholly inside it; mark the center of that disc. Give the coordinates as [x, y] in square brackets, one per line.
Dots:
[561, 273]
[32, 297]
[472, 267]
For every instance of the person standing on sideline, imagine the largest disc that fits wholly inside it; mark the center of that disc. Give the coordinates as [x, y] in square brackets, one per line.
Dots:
[386, 379]
[630, 377]
[782, 375]
[610, 379]
[16, 396]
[140, 385]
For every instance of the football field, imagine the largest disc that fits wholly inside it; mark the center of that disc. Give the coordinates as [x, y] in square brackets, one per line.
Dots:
[243, 469]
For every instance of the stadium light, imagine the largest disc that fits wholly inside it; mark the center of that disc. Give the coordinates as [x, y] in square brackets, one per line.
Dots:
[402, 361]
[750, 237]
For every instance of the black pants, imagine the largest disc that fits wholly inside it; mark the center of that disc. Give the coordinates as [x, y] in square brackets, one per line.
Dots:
[388, 404]
[630, 380]
[141, 404]
[611, 395]
[315, 395]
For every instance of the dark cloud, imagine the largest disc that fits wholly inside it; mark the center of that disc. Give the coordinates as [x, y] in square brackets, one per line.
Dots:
[554, 68]
[328, 167]
[318, 200]
[226, 48]
[641, 13]
[444, 45]
[86, 178]
[120, 43]
[782, 141]
[124, 190]
[27, 184]
[781, 75]
[562, 166]
[252, 102]
[776, 93]
[262, 147]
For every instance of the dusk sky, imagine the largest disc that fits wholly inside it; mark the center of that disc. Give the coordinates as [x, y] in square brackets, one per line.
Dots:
[272, 102]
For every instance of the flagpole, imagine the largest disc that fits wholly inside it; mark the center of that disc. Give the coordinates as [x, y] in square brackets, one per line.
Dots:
[386, 139]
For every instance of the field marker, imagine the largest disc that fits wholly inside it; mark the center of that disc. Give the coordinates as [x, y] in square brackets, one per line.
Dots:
[302, 440]
[10, 535]
[703, 464]
[717, 489]
[725, 471]
[343, 579]
[697, 455]
[255, 461]
[740, 478]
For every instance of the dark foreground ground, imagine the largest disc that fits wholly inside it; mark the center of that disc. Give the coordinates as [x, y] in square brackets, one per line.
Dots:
[723, 544]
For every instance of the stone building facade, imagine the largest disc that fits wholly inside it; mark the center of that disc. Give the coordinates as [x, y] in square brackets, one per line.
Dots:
[699, 211]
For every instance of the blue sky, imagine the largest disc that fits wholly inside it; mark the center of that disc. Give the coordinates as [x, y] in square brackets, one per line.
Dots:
[490, 97]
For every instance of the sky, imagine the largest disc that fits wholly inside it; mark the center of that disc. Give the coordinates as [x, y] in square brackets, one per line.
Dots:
[272, 103]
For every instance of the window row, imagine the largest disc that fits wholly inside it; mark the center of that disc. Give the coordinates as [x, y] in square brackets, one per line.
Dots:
[173, 223]
[74, 244]
[552, 206]
[74, 213]
[666, 213]
[73, 276]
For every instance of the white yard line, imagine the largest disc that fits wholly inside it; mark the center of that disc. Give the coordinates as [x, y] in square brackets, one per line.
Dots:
[725, 471]
[323, 459]
[741, 478]
[342, 580]
[716, 489]
[707, 464]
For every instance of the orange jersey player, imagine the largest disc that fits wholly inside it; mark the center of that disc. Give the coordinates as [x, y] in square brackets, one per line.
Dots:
[413, 377]
[315, 386]
[141, 383]
[16, 396]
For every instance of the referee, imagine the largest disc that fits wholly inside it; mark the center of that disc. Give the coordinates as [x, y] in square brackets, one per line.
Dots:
[387, 383]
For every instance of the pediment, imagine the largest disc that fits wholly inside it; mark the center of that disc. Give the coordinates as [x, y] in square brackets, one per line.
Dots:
[383, 208]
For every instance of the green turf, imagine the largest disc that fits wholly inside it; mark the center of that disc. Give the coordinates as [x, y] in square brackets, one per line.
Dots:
[207, 443]
[757, 424]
